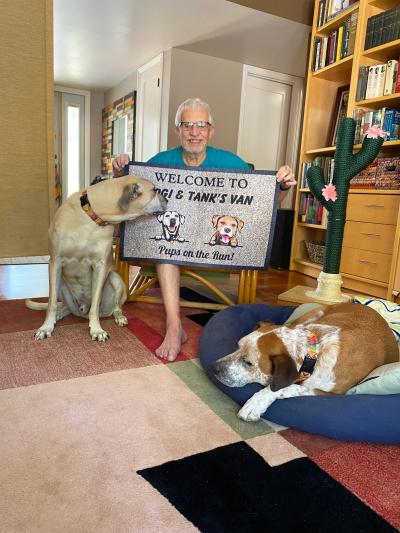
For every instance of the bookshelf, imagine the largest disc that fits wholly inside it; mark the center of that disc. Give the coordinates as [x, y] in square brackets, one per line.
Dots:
[372, 228]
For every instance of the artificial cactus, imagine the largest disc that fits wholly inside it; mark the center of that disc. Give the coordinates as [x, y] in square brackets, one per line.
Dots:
[346, 166]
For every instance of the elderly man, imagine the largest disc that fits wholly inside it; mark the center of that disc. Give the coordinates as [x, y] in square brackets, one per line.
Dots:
[194, 126]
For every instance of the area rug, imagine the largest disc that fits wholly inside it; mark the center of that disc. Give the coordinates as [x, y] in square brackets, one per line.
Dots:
[106, 437]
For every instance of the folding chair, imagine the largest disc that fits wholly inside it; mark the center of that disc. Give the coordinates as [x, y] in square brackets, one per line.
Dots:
[147, 277]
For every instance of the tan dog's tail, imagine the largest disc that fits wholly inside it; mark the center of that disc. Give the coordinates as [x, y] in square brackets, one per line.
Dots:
[36, 306]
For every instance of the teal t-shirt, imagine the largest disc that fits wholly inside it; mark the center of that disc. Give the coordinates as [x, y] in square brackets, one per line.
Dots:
[215, 158]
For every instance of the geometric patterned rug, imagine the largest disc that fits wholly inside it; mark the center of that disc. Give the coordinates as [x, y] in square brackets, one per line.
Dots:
[108, 438]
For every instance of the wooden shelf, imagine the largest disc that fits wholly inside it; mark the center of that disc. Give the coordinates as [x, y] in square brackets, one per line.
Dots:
[336, 22]
[331, 149]
[384, 52]
[308, 263]
[336, 71]
[390, 100]
[326, 150]
[386, 144]
[374, 191]
[315, 226]
[383, 4]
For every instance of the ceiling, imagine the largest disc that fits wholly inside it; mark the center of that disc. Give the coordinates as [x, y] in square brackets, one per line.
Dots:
[98, 43]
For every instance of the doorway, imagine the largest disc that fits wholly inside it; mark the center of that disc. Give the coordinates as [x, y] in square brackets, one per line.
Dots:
[270, 117]
[72, 151]
[148, 116]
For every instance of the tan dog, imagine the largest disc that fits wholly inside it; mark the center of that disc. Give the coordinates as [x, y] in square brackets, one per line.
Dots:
[345, 342]
[81, 271]
[227, 228]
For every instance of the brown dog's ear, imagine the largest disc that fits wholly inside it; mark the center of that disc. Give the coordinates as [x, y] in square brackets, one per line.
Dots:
[240, 223]
[264, 326]
[215, 220]
[284, 371]
[130, 192]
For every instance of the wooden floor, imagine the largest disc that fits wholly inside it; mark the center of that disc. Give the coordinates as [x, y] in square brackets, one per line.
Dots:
[31, 281]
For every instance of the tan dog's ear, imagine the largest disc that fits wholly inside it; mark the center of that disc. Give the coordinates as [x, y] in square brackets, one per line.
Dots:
[240, 223]
[215, 220]
[284, 371]
[130, 192]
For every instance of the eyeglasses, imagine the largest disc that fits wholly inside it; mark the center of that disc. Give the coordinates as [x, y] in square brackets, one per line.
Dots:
[201, 125]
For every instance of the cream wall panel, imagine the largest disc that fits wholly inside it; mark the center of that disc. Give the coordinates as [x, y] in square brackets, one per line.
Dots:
[218, 82]
[26, 126]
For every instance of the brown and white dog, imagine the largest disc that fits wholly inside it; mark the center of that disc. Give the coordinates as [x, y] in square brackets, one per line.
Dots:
[81, 269]
[227, 228]
[344, 341]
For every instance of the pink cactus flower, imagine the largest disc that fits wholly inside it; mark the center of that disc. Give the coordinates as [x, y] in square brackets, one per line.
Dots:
[374, 132]
[329, 192]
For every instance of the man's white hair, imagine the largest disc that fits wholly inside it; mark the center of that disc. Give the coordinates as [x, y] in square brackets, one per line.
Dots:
[193, 103]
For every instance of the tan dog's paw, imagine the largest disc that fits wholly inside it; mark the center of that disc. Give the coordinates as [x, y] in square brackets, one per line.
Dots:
[43, 333]
[121, 320]
[99, 335]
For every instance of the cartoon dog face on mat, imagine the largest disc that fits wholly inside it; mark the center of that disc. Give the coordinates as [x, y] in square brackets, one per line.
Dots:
[226, 228]
[170, 221]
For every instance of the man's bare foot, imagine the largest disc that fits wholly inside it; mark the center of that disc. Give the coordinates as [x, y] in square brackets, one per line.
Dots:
[171, 345]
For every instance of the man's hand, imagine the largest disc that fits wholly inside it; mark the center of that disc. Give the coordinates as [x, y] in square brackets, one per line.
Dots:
[119, 163]
[285, 177]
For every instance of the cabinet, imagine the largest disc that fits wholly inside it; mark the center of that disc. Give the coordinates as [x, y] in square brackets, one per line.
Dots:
[368, 261]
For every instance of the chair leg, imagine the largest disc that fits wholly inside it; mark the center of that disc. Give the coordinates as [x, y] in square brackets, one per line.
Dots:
[247, 286]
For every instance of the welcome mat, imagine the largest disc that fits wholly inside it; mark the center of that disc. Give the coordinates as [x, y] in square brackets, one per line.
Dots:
[213, 218]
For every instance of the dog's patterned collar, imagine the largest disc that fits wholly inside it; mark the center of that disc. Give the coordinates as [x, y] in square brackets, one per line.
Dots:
[310, 359]
[89, 211]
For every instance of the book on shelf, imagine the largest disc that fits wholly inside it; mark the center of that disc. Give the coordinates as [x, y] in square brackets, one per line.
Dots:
[328, 9]
[386, 118]
[337, 45]
[383, 173]
[378, 80]
[388, 173]
[383, 28]
[391, 77]
[366, 178]
[327, 165]
[311, 211]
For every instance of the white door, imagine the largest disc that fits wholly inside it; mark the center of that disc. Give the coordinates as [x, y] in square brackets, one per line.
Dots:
[148, 114]
[269, 118]
[73, 143]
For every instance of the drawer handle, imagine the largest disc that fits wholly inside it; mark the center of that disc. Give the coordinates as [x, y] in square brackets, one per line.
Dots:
[367, 262]
[370, 234]
[374, 205]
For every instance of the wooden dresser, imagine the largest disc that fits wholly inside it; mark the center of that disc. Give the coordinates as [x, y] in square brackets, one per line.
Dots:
[369, 237]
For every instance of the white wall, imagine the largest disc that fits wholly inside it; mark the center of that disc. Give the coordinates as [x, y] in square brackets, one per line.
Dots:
[96, 107]
[126, 86]
[218, 82]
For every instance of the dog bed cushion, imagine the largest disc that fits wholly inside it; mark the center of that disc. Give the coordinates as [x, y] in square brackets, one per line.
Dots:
[383, 380]
[354, 417]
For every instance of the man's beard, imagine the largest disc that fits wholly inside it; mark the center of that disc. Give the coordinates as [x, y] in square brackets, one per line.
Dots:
[194, 149]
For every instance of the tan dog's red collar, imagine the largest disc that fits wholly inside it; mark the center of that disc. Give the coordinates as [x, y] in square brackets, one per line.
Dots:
[310, 359]
[89, 211]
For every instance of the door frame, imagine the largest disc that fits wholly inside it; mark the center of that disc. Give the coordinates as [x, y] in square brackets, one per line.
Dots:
[140, 108]
[86, 94]
[295, 113]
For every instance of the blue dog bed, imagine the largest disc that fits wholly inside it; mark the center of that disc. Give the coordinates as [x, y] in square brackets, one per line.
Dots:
[366, 417]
